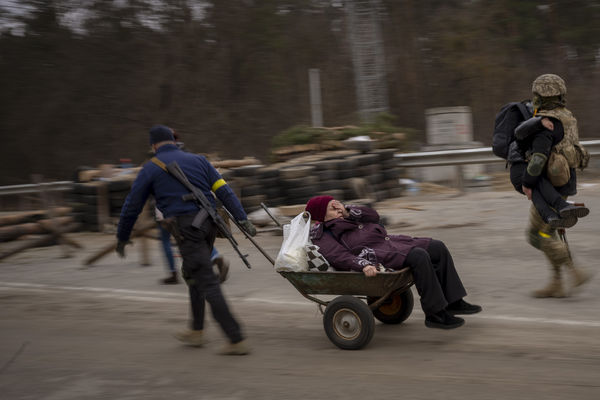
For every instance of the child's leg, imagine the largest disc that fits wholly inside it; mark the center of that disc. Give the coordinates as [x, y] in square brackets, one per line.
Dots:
[544, 196]
[542, 206]
[542, 143]
[516, 178]
[540, 150]
[555, 200]
[550, 195]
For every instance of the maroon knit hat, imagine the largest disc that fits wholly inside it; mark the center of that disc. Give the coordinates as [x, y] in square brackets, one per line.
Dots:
[317, 207]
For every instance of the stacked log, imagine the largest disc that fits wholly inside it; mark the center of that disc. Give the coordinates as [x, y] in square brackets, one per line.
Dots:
[36, 228]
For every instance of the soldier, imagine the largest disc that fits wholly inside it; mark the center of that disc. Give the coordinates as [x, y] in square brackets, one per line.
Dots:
[549, 101]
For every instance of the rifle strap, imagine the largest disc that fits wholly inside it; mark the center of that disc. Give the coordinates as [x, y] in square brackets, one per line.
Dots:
[202, 214]
[161, 164]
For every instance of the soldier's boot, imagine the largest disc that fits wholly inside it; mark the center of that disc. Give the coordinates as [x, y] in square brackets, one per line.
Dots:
[235, 349]
[552, 289]
[579, 276]
[190, 337]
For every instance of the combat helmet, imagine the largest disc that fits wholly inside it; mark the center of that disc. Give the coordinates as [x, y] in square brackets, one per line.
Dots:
[548, 85]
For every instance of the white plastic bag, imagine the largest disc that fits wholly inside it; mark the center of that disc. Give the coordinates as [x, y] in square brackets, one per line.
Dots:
[292, 255]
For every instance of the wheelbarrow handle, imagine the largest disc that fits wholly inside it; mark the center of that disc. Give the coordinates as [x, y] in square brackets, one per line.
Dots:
[270, 215]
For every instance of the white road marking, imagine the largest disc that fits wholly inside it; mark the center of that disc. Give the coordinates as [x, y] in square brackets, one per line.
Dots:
[151, 296]
[512, 318]
[141, 295]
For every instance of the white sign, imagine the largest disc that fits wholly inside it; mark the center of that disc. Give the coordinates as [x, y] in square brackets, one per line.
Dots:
[449, 125]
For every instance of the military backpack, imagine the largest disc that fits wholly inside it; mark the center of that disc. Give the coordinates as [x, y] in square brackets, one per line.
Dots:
[509, 117]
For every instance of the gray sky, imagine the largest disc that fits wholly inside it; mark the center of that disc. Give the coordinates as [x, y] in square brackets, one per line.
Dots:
[74, 13]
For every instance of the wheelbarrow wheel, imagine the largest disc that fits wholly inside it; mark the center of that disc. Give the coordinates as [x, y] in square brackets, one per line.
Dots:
[348, 323]
[395, 309]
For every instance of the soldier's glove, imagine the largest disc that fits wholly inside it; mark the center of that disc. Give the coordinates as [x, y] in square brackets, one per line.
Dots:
[121, 247]
[248, 227]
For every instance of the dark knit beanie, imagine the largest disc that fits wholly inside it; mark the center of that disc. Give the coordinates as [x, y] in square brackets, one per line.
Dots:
[317, 207]
[161, 133]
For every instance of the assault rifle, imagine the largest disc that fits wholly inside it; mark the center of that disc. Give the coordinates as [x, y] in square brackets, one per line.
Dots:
[206, 208]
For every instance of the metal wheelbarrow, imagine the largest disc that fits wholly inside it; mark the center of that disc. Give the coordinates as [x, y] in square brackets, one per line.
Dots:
[348, 320]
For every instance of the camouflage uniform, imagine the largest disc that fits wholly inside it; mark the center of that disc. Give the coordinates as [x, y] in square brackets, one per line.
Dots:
[539, 234]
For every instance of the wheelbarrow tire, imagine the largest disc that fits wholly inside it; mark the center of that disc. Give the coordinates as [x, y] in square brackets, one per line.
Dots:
[348, 323]
[395, 309]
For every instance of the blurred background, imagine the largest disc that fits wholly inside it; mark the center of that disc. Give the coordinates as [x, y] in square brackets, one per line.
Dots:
[82, 81]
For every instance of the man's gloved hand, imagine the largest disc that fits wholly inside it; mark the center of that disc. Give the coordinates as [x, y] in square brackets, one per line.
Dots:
[121, 248]
[248, 227]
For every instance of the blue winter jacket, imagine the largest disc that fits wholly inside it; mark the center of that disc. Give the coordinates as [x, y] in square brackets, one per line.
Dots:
[168, 191]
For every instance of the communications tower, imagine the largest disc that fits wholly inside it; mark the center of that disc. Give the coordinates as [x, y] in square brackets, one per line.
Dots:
[364, 35]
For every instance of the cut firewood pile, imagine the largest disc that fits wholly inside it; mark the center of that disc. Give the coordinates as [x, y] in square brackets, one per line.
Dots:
[25, 230]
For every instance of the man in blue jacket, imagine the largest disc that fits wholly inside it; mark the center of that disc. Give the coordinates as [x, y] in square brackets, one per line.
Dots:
[195, 243]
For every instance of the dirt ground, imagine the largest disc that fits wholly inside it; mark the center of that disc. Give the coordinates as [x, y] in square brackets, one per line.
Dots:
[105, 332]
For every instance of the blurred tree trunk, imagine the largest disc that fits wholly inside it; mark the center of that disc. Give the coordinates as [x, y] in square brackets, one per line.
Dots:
[232, 80]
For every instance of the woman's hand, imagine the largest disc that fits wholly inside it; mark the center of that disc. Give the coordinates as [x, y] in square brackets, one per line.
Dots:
[340, 208]
[370, 270]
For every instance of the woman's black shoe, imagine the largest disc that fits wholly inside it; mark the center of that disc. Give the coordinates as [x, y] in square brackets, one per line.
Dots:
[462, 307]
[443, 320]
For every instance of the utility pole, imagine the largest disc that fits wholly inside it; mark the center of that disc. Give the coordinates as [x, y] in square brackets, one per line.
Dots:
[364, 35]
[316, 111]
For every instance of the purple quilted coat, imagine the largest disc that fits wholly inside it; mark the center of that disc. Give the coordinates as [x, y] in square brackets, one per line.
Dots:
[357, 241]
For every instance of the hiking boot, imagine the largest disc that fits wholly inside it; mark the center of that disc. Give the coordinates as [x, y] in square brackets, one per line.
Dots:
[222, 265]
[562, 222]
[191, 337]
[462, 307]
[443, 320]
[574, 211]
[553, 289]
[235, 349]
[171, 280]
[580, 276]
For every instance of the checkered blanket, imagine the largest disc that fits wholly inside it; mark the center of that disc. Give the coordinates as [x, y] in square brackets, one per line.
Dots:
[315, 259]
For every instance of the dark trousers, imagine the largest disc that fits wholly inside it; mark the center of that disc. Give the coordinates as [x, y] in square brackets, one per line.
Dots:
[435, 276]
[542, 142]
[544, 196]
[196, 246]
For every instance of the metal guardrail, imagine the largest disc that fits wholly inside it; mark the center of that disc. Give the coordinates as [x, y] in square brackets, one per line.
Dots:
[32, 188]
[482, 155]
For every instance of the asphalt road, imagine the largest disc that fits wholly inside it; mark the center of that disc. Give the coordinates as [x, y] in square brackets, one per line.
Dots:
[104, 332]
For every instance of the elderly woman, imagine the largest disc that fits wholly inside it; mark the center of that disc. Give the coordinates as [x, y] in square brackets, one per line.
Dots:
[351, 239]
